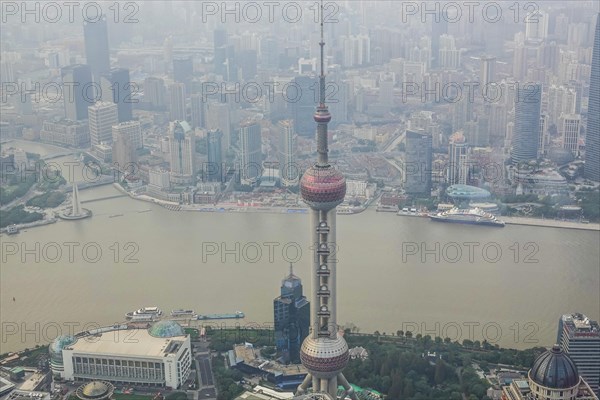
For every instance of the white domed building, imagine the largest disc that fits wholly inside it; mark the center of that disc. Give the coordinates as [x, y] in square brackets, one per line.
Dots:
[553, 376]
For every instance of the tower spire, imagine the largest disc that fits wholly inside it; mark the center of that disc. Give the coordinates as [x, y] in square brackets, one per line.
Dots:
[322, 76]
[322, 116]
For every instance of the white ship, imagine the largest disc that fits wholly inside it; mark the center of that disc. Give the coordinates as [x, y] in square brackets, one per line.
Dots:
[144, 314]
[473, 216]
[182, 313]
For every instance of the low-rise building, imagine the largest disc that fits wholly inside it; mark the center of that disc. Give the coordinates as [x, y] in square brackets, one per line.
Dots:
[159, 356]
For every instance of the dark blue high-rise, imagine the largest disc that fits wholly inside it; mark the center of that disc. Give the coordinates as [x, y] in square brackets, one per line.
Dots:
[292, 318]
[97, 53]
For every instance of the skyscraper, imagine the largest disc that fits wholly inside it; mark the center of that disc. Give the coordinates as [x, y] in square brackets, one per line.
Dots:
[198, 114]
[439, 28]
[488, 73]
[458, 157]
[102, 116]
[568, 128]
[527, 123]
[214, 169]
[248, 62]
[123, 152]
[591, 170]
[302, 103]
[417, 163]
[579, 337]
[131, 129]
[225, 62]
[155, 92]
[251, 154]
[324, 353]
[117, 88]
[291, 315]
[183, 71]
[177, 103]
[183, 149]
[97, 53]
[288, 141]
[218, 116]
[76, 96]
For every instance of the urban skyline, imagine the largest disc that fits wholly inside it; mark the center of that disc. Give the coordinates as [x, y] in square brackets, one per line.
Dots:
[168, 149]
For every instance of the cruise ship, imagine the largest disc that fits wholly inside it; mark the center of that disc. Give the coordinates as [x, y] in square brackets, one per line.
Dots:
[473, 216]
[144, 314]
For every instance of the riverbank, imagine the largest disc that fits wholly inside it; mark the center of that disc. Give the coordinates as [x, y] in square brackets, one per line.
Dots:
[41, 222]
[545, 223]
[230, 207]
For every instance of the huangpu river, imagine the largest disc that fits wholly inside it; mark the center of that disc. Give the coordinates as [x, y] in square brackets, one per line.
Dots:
[507, 285]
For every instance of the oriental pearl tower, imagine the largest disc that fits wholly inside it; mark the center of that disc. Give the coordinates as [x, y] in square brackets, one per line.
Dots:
[324, 352]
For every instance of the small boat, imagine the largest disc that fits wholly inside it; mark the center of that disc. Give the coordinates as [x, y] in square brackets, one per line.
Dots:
[12, 229]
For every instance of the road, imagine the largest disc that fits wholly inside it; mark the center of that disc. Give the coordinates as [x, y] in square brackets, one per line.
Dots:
[206, 387]
[395, 142]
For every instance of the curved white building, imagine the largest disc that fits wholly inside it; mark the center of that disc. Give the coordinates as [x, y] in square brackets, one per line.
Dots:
[160, 356]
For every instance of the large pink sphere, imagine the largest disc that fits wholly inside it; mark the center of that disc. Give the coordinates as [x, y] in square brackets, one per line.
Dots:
[323, 188]
[324, 357]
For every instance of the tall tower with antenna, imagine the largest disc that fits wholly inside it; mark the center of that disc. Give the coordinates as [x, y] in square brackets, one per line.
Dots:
[324, 352]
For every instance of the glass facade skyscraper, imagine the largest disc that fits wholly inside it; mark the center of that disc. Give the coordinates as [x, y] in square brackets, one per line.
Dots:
[527, 123]
[591, 169]
[117, 88]
[97, 51]
[291, 312]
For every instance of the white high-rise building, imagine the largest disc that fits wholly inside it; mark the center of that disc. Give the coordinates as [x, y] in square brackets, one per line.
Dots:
[569, 127]
[449, 55]
[536, 26]
[579, 337]
[159, 179]
[132, 130]
[251, 154]
[102, 116]
[560, 100]
[288, 168]
[458, 157]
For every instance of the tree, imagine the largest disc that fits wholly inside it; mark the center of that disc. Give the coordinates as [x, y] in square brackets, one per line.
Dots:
[440, 372]
[409, 389]
[400, 333]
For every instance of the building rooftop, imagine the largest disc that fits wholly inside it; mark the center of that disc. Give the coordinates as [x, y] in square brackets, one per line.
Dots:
[251, 356]
[130, 343]
[577, 323]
